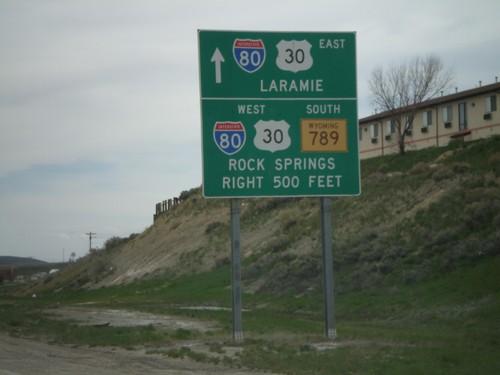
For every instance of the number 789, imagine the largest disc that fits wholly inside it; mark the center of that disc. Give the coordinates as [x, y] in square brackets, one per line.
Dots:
[324, 137]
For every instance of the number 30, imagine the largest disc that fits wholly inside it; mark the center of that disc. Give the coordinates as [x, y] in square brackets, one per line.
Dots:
[276, 137]
[298, 56]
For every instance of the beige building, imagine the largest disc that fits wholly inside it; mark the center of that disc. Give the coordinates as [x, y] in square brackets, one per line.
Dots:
[467, 115]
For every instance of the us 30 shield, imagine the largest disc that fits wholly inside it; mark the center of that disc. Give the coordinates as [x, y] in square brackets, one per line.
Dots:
[229, 136]
[272, 135]
[249, 54]
[294, 55]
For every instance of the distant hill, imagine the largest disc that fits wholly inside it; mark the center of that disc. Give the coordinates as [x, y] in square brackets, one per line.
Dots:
[15, 261]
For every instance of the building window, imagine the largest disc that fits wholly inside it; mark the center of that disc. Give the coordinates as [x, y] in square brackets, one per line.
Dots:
[447, 114]
[391, 127]
[374, 131]
[490, 104]
[462, 116]
[427, 118]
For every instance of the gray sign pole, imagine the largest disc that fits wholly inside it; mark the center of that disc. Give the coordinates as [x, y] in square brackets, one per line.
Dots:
[236, 270]
[326, 232]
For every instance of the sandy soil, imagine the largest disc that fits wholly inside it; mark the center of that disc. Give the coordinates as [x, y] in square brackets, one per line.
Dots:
[25, 356]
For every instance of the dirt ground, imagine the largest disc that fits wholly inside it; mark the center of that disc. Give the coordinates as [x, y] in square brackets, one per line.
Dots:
[88, 315]
[25, 356]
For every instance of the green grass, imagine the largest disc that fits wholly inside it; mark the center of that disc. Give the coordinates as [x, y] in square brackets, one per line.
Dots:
[416, 294]
[443, 325]
[476, 154]
[440, 326]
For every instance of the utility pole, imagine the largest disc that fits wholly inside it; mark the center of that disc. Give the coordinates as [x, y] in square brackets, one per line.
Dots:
[90, 234]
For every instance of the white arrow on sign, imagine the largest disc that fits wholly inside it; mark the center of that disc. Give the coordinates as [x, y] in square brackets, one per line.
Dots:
[218, 59]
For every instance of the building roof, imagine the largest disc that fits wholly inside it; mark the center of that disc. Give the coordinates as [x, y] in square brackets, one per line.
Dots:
[494, 87]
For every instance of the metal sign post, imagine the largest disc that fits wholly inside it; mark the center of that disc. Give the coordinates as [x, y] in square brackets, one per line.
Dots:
[326, 234]
[236, 271]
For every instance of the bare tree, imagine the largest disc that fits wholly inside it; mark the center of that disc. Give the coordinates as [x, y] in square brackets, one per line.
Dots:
[401, 88]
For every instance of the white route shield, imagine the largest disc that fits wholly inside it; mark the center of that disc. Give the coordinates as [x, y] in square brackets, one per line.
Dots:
[272, 135]
[294, 55]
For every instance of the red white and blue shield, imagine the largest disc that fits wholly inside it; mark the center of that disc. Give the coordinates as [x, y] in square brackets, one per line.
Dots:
[229, 136]
[249, 54]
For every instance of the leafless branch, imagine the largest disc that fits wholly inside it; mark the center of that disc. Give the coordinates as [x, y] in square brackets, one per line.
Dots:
[401, 88]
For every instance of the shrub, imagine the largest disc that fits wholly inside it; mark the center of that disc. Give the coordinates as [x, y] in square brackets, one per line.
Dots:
[222, 262]
[269, 204]
[113, 242]
[289, 224]
[442, 173]
[383, 168]
[419, 168]
[212, 226]
[461, 167]
[494, 162]
[480, 215]
[185, 194]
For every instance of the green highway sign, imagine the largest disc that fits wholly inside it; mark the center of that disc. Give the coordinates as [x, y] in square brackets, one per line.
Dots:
[278, 114]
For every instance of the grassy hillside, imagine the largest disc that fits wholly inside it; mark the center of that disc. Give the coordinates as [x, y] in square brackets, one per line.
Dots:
[415, 260]
[419, 215]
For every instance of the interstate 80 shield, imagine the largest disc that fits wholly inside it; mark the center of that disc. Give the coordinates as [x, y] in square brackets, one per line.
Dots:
[249, 54]
[229, 136]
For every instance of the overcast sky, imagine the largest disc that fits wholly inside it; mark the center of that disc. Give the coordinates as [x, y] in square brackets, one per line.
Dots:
[99, 99]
